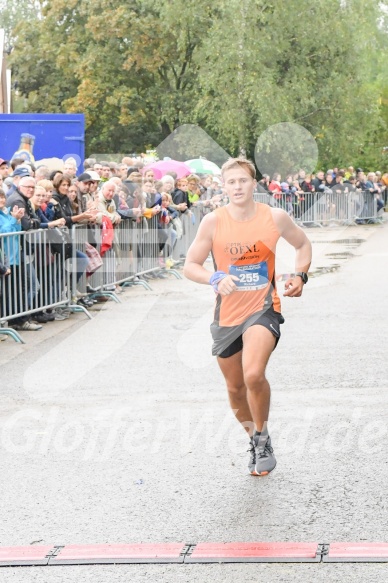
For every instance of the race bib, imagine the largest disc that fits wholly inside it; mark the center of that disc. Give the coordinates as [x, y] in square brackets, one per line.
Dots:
[251, 277]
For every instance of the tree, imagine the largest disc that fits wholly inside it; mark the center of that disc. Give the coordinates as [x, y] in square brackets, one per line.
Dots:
[139, 71]
[15, 11]
[136, 80]
[295, 69]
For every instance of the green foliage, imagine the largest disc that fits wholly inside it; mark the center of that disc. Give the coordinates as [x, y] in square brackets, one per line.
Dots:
[14, 11]
[140, 70]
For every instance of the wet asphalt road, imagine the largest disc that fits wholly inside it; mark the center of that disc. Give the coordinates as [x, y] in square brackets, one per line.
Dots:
[118, 429]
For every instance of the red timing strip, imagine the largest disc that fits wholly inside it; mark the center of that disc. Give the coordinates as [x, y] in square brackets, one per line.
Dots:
[282, 552]
[357, 552]
[244, 552]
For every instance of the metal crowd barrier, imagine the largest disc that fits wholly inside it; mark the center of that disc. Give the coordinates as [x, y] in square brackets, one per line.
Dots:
[134, 253]
[323, 208]
[37, 280]
[41, 279]
[264, 198]
[190, 222]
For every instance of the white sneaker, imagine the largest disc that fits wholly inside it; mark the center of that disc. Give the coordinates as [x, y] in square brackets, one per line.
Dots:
[28, 326]
[58, 316]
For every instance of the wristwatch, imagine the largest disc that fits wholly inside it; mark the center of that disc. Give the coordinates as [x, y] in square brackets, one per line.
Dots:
[303, 275]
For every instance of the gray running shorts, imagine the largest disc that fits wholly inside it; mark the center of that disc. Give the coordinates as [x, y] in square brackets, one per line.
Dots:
[228, 340]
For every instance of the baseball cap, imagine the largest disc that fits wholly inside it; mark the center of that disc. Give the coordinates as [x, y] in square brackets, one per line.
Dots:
[2, 161]
[93, 175]
[21, 171]
[84, 177]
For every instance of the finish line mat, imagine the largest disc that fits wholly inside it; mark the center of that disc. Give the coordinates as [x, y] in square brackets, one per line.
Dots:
[231, 552]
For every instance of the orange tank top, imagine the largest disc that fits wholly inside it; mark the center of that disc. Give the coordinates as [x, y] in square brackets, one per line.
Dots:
[246, 249]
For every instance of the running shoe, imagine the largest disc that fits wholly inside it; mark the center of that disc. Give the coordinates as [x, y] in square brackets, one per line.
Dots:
[58, 316]
[27, 326]
[62, 313]
[262, 460]
[252, 459]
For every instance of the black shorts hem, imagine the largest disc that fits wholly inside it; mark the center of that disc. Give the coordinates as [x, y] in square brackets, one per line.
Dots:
[270, 319]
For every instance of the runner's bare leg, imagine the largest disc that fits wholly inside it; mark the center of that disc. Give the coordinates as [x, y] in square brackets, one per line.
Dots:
[258, 346]
[232, 370]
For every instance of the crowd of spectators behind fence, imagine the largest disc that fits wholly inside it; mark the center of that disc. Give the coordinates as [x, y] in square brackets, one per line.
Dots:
[291, 190]
[37, 198]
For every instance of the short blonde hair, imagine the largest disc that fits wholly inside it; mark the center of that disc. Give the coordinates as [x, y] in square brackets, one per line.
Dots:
[239, 162]
[47, 184]
[193, 178]
[168, 196]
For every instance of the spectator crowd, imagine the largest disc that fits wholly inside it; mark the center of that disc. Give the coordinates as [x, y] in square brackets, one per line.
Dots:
[292, 192]
[99, 199]
[103, 196]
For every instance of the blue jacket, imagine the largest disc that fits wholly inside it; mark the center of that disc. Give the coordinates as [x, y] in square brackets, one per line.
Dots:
[10, 245]
[44, 221]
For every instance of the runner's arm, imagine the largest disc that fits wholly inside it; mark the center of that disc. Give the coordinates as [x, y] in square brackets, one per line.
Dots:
[298, 239]
[199, 251]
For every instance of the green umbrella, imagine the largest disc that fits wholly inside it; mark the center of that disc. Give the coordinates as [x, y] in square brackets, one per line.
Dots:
[203, 166]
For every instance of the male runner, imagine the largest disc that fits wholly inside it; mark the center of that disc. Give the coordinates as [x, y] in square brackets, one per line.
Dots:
[242, 238]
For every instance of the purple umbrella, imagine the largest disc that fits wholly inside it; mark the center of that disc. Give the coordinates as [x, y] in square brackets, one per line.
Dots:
[163, 166]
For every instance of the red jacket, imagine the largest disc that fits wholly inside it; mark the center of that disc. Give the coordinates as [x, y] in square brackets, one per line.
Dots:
[107, 235]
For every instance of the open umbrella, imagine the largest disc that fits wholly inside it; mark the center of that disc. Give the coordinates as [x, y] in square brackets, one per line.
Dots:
[203, 166]
[161, 168]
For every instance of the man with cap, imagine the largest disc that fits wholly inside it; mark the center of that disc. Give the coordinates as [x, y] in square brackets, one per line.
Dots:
[19, 173]
[94, 185]
[84, 181]
[87, 184]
